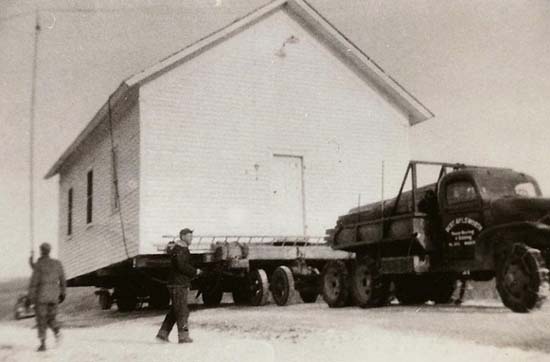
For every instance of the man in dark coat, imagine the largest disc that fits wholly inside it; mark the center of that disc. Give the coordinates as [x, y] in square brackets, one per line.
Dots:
[179, 281]
[46, 290]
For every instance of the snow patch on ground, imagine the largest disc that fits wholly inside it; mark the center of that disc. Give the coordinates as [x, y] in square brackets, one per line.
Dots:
[133, 340]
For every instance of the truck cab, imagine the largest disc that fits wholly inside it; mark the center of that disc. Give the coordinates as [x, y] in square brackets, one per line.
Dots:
[470, 222]
[472, 200]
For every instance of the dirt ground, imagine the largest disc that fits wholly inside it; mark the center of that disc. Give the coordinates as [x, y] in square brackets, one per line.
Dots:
[476, 331]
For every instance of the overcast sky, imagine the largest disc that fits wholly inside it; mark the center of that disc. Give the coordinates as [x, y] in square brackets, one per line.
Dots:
[483, 68]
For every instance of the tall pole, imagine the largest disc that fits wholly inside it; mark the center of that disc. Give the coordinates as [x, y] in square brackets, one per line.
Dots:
[31, 134]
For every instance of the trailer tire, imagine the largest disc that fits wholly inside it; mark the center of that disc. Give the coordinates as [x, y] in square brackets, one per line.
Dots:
[126, 298]
[309, 296]
[282, 285]
[335, 284]
[369, 288]
[212, 297]
[522, 279]
[259, 287]
[159, 298]
[105, 300]
[240, 296]
[127, 303]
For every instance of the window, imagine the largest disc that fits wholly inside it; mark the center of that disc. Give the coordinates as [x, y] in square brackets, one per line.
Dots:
[461, 191]
[70, 212]
[89, 196]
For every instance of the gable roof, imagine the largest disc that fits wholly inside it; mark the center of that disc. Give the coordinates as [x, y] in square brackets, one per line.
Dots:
[308, 17]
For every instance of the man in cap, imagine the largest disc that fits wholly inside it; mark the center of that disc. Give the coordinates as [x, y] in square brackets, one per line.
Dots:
[46, 290]
[179, 281]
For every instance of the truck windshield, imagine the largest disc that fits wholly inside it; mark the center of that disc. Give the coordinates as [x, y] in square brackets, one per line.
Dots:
[495, 188]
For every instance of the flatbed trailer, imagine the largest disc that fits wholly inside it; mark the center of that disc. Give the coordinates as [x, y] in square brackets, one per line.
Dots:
[249, 267]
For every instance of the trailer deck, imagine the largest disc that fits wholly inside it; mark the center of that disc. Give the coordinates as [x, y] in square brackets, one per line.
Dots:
[249, 267]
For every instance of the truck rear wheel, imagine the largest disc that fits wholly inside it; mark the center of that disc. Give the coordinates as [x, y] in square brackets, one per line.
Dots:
[368, 286]
[522, 279]
[282, 285]
[259, 287]
[335, 282]
[411, 289]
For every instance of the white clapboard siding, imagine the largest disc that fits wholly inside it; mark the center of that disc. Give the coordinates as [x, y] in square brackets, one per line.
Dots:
[100, 243]
[211, 126]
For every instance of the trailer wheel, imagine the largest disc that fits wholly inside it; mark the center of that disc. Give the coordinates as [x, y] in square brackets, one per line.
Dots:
[369, 288]
[259, 287]
[126, 299]
[212, 297]
[309, 296]
[411, 289]
[105, 300]
[240, 296]
[127, 303]
[159, 298]
[522, 279]
[282, 285]
[335, 284]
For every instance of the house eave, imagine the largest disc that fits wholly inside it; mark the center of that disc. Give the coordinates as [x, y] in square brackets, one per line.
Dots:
[119, 95]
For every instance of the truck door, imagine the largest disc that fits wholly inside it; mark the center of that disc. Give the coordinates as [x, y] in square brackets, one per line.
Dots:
[462, 217]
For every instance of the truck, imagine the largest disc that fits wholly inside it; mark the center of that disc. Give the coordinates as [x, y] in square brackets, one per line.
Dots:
[472, 223]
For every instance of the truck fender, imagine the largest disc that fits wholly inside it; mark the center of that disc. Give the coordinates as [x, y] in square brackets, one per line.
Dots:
[533, 234]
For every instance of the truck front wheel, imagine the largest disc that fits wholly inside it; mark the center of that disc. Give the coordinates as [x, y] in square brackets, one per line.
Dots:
[522, 279]
[335, 282]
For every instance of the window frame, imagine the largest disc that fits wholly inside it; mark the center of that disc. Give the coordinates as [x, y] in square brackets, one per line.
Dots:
[89, 196]
[70, 208]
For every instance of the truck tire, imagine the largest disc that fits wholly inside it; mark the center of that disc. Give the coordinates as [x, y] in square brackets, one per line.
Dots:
[443, 287]
[335, 284]
[212, 296]
[368, 287]
[411, 289]
[282, 285]
[259, 287]
[522, 279]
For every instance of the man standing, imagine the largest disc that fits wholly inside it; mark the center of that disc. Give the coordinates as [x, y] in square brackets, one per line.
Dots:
[179, 281]
[46, 290]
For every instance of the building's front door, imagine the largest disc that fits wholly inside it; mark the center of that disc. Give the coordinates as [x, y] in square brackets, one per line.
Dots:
[287, 195]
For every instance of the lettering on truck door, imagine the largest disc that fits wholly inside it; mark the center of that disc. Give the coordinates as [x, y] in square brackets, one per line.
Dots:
[462, 218]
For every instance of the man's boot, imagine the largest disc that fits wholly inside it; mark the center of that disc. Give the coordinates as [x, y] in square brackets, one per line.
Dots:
[183, 337]
[42, 346]
[162, 336]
